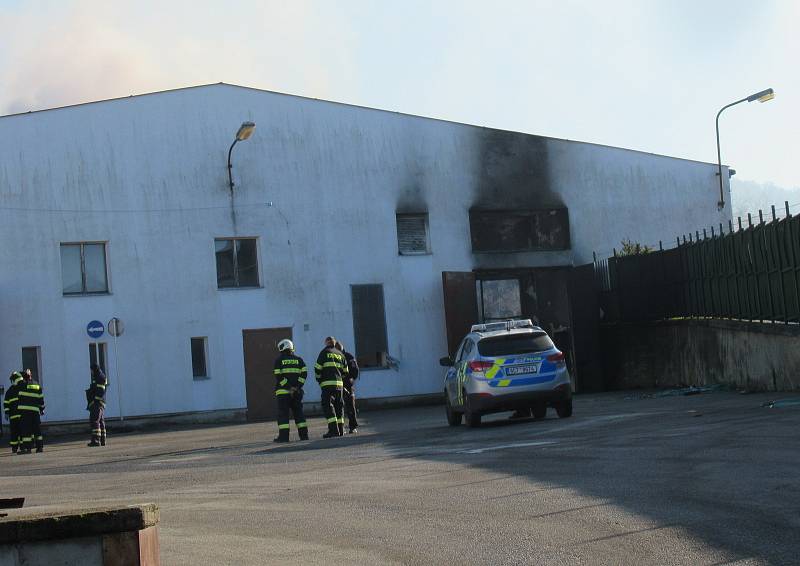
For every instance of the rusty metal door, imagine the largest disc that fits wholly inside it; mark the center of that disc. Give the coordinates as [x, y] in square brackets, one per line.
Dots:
[460, 306]
[260, 351]
[584, 300]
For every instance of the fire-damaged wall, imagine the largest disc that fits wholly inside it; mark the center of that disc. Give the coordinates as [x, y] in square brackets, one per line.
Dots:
[318, 189]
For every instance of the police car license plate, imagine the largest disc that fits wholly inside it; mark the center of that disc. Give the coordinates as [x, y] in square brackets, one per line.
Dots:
[520, 370]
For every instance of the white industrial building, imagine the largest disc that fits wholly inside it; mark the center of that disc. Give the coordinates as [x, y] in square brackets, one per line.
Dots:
[122, 208]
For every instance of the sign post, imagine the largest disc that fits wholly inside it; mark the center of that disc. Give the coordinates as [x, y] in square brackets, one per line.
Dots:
[115, 328]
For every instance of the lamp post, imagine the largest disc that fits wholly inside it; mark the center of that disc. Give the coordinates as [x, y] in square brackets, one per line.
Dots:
[762, 96]
[244, 132]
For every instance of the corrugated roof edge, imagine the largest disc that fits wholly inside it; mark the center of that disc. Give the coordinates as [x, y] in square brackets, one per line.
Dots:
[68, 106]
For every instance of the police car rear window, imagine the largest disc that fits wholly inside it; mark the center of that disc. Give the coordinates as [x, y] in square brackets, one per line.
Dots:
[515, 344]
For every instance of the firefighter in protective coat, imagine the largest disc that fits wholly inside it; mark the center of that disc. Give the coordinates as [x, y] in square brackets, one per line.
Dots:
[290, 376]
[330, 370]
[96, 405]
[31, 408]
[10, 402]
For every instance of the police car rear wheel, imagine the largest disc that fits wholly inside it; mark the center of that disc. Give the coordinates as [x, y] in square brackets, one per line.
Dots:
[471, 418]
[564, 409]
[453, 417]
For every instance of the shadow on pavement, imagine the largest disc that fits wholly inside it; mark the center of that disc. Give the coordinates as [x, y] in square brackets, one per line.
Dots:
[729, 478]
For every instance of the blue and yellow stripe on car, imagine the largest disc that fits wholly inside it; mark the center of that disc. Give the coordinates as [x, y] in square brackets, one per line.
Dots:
[522, 381]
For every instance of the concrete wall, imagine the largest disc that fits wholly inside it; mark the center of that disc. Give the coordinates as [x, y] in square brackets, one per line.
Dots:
[744, 355]
[147, 174]
[123, 536]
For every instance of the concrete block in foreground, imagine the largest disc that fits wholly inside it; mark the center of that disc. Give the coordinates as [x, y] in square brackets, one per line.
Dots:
[110, 536]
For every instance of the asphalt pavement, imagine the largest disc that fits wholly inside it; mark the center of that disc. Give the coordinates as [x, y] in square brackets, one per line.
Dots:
[705, 479]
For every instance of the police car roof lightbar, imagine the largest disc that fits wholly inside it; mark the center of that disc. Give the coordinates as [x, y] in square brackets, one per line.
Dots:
[504, 325]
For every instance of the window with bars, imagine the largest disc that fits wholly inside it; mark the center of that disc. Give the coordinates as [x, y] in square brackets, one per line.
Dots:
[237, 262]
[412, 234]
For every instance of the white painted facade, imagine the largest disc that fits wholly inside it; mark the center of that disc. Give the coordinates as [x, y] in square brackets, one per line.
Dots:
[147, 174]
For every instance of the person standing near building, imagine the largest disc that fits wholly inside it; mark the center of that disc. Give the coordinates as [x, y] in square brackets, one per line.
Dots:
[330, 370]
[290, 376]
[348, 391]
[10, 403]
[31, 409]
[96, 405]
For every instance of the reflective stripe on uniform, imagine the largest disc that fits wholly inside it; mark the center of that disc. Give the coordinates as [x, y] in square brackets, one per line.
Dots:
[289, 370]
[331, 384]
[12, 417]
[333, 365]
[317, 367]
[28, 408]
[331, 420]
[282, 392]
[301, 380]
[340, 420]
[283, 382]
[283, 426]
[33, 395]
[302, 425]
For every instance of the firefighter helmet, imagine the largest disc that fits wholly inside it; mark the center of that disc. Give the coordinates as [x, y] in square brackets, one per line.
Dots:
[284, 345]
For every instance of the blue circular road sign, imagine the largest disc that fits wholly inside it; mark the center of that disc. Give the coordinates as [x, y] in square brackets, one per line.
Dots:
[95, 329]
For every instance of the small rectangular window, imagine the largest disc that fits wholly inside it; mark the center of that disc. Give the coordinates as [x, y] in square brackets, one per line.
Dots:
[30, 360]
[412, 234]
[97, 355]
[198, 346]
[237, 262]
[369, 325]
[83, 268]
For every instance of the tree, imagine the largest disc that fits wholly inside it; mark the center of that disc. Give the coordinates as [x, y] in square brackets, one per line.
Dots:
[634, 248]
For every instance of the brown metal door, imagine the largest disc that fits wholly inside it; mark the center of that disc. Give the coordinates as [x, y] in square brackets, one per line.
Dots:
[460, 306]
[260, 351]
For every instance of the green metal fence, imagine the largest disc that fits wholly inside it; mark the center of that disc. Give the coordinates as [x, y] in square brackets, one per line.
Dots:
[748, 272]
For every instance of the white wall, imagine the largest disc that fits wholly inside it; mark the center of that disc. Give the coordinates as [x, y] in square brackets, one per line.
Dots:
[148, 175]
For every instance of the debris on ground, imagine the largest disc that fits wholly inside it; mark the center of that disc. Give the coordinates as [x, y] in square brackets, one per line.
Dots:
[680, 391]
[780, 403]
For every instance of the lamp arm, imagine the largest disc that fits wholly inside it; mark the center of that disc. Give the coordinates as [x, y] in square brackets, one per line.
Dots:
[721, 203]
[230, 167]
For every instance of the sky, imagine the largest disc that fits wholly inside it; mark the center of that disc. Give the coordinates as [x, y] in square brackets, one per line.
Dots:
[646, 75]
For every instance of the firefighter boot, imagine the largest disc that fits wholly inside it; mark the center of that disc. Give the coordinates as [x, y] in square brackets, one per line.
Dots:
[103, 438]
[340, 428]
[283, 435]
[303, 433]
[333, 431]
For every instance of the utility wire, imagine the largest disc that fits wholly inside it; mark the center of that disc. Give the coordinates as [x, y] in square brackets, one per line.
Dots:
[132, 211]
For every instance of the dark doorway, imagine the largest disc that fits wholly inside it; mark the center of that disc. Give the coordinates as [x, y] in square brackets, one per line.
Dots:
[460, 306]
[260, 351]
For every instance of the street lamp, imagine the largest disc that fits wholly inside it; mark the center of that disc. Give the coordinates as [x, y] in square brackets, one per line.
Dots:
[244, 132]
[762, 96]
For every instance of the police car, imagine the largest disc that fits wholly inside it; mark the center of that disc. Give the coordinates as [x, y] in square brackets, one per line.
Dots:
[506, 366]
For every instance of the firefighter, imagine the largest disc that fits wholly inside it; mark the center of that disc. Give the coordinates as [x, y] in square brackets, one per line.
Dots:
[96, 405]
[290, 376]
[31, 409]
[10, 403]
[348, 391]
[330, 370]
